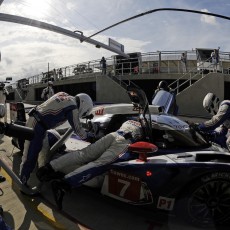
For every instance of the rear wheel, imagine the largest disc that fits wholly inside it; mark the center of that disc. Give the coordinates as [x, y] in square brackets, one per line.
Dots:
[208, 202]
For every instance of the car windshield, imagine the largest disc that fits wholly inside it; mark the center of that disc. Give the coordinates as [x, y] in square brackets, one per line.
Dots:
[171, 132]
[165, 136]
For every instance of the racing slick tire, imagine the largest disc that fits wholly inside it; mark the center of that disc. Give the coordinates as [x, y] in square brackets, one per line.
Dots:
[207, 204]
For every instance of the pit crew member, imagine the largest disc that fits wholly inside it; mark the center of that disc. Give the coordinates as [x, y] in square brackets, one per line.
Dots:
[91, 161]
[56, 110]
[47, 92]
[219, 124]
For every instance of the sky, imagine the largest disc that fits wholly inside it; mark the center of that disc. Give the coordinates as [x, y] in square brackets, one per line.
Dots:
[27, 51]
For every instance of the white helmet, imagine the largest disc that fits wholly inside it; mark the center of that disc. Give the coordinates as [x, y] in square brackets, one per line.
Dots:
[85, 104]
[211, 103]
[2, 110]
[132, 127]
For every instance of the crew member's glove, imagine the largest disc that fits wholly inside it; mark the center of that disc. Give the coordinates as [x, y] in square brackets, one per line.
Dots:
[211, 136]
[89, 126]
[217, 133]
[90, 137]
[194, 126]
[93, 127]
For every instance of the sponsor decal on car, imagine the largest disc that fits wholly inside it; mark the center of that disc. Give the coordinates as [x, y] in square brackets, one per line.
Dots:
[135, 108]
[99, 111]
[180, 127]
[165, 203]
[216, 175]
[124, 185]
[85, 178]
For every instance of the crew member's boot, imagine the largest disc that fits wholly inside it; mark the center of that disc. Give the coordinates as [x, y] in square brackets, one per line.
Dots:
[47, 173]
[59, 188]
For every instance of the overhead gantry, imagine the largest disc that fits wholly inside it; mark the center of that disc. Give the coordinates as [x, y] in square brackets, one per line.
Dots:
[56, 29]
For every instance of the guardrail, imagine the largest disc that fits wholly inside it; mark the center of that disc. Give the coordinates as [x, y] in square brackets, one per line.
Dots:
[201, 69]
[147, 63]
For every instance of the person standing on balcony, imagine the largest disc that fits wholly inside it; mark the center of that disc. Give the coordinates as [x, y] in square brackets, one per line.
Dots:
[183, 60]
[103, 65]
[215, 59]
[60, 74]
[55, 74]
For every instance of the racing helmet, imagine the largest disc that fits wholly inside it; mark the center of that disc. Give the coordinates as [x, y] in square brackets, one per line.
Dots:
[50, 83]
[211, 103]
[85, 104]
[2, 110]
[163, 85]
[132, 127]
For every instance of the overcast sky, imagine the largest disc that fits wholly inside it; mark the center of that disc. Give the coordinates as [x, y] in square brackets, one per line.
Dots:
[26, 51]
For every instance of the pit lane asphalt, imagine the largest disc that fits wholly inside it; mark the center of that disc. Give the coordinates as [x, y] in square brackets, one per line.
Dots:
[82, 208]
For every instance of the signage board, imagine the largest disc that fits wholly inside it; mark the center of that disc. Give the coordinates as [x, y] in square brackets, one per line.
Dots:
[116, 45]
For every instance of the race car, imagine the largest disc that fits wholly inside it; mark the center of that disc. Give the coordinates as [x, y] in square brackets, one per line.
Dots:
[174, 169]
[107, 118]
[194, 185]
[168, 131]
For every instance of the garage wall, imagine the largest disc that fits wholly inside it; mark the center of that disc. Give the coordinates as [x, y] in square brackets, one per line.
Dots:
[190, 101]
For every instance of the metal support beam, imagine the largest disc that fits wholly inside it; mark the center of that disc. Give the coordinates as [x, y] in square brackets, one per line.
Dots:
[61, 141]
[26, 190]
[56, 29]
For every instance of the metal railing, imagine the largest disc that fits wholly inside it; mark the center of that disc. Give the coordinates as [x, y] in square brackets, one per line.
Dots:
[119, 81]
[147, 63]
[195, 74]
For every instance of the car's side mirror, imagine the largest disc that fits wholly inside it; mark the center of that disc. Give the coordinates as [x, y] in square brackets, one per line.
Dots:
[142, 148]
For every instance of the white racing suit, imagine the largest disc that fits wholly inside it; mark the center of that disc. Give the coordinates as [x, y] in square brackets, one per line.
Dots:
[51, 137]
[55, 111]
[95, 159]
[219, 124]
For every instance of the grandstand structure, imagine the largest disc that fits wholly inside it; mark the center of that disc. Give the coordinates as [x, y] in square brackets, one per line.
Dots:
[144, 69]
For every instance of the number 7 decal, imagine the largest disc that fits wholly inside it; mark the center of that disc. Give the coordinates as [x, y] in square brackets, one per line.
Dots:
[126, 184]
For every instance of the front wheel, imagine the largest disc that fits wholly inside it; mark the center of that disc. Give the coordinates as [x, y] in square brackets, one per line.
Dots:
[208, 202]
